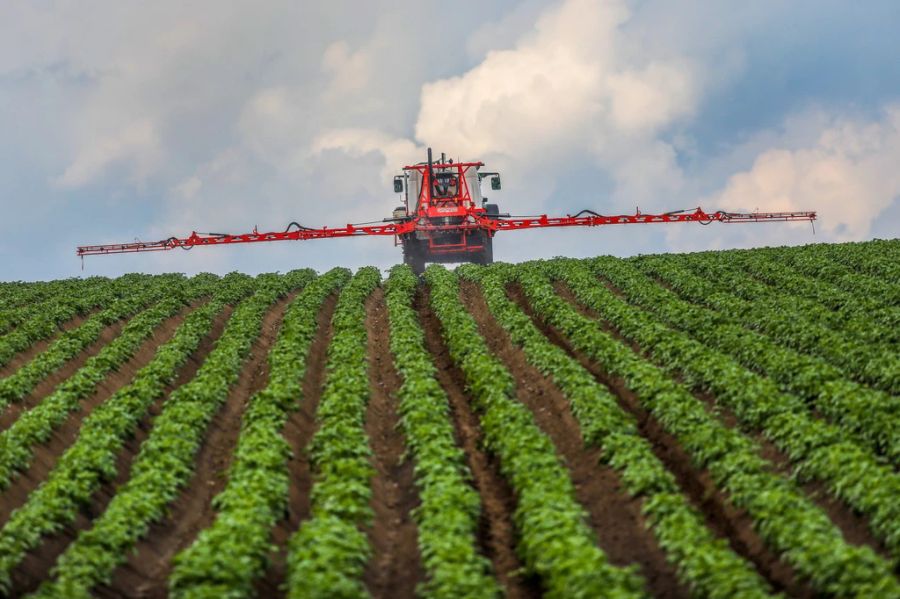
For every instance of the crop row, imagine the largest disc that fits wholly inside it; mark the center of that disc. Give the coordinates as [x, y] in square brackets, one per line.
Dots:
[737, 297]
[784, 518]
[46, 321]
[165, 461]
[865, 415]
[227, 557]
[555, 542]
[819, 450]
[879, 258]
[91, 458]
[869, 291]
[174, 291]
[328, 554]
[34, 299]
[447, 518]
[825, 303]
[800, 372]
[706, 564]
[14, 294]
[36, 425]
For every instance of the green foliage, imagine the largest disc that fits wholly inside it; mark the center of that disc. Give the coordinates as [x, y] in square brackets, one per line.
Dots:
[91, 459]
[706, 564]
[555, 541]
[174, 291]
[711, 279]
[866, 414]
[227, 557]
[447, 518]
[44, 320]
[328, 554]
[789, 522]
[24, 301]
[165, 461]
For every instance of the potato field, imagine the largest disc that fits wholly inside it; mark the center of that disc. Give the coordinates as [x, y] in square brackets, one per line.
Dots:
[720, 424]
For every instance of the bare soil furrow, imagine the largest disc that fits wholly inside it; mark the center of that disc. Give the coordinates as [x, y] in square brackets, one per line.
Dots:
[38, 347]
[395, 567]
[724, 519]
[854, 527]
[299, 429]
[36, 567]
[47, 454]
[146, 572]
[614, 516]
[497, 534]
[46, 386]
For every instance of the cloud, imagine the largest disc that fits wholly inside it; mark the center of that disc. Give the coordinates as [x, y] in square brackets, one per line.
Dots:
[137, 144]
[396, 151]
[848, 174]
[566, 88]
[570, 91]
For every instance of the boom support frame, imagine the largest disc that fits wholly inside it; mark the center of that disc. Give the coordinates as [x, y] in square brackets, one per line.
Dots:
[475, 220]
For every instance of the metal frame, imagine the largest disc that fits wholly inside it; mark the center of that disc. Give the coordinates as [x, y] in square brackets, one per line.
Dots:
[433, 216]
[478, 221]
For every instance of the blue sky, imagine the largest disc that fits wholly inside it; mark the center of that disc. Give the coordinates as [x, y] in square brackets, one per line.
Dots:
[133, 120]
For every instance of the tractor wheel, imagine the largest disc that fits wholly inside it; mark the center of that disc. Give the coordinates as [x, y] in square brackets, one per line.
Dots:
[488, 252]
[414, 256]
[492, 210]
[485, 256]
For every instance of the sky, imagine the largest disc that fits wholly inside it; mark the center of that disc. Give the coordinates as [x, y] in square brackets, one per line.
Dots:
[125, 120]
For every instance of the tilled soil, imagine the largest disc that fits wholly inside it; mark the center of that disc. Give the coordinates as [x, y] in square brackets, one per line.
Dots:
[47, 454]
[853, 526]
[37, 564]
[50, 382]
[497, 535]
[29, 354]
[298, 431]
[723, 518]
[614, 516]
[395, 567]
[146, 572]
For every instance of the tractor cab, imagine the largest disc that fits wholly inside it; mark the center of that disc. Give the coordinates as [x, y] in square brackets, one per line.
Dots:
[444, 200]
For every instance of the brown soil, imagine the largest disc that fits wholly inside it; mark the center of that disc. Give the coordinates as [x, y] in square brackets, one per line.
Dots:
[298, 431]
[615, 517]
[146, 572]
[497, 534]
[39, 347]
[723, 518]
[853, 526]
[37, 564]
[395, 567]
[47, 454]
[49, 384]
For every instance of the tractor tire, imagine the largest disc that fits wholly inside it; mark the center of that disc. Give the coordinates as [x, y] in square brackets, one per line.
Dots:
[485, 256]
[492, 210]
[488, 252]
[413, 256]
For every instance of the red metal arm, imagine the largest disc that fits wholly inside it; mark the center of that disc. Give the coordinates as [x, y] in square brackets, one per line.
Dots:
[197, 239]
[477, 221]
[682, 216]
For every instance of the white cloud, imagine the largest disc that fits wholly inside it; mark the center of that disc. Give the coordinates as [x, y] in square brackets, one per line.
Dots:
[137, 144]
[567, 87]
[570, 90]
[848, 174]
[396, 151]
[350, 71]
